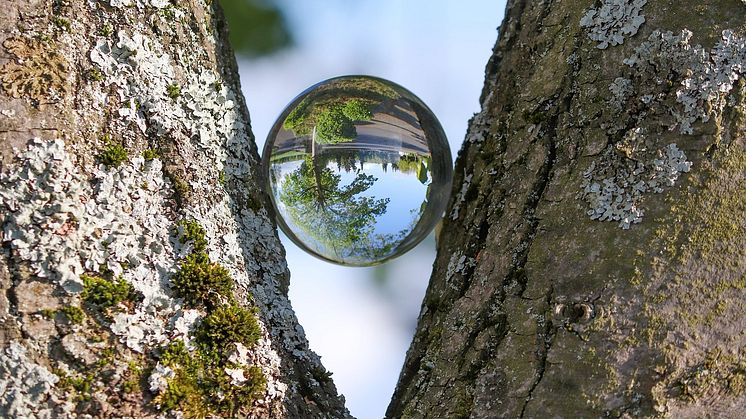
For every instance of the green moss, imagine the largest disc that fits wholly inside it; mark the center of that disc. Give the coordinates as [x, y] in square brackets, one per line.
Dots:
[227, 324]
[113, 153]
[718, 373]
[103, 293]
[134, 377]
[73, 314]
[95, 74]
[737, 382]
[202, 282]
[173, 90]
[48, 313]
[191, 231]
[182, 188]
[131, 385]
[168, 12]
[107, 357]
[106, 30]
[150, 154]
[221, 177]
[82, 385]
[61, 23]
[201, 386]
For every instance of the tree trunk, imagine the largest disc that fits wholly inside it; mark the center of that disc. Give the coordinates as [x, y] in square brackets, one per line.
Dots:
[595, 262]
[141, 270]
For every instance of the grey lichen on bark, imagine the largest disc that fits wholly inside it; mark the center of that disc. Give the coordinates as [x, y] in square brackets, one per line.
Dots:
[538, 306]
[126, 157]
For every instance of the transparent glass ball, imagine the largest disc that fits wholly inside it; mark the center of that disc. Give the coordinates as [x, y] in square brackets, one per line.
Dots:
[358, 169]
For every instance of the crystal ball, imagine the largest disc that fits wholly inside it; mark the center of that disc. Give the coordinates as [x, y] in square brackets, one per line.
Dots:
[358, 170]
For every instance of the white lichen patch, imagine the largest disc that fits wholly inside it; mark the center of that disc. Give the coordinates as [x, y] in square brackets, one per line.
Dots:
[183, 324]
[461, 196]
[458, 264]
[121, 3]
[709, 75]
[64, 225]
[237, 376]
[158, 380]
[621, 89]
[615, 185]
[25, 387]
[477, 128]
[615, 19]
[240, 355]
[142, 74]
[158, 4]
[43, 202]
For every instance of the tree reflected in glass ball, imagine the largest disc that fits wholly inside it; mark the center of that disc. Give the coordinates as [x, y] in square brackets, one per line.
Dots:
[358, 169]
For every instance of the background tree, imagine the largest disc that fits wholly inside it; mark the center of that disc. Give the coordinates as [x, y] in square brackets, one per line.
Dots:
[542, 302]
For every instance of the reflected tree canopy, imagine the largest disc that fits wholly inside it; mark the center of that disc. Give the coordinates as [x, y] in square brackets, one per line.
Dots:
[335, 215]
[333, 121]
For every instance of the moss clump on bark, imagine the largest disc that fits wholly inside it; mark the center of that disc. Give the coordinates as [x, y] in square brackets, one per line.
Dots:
[73, 314]
[113, 153]
[95, 74]
[150, 154]
[201, 387]
[81, 384]
[190, 231]
[61, 23]
[173, 90]
[229, 323]
[202, 282]
[103, 293]
[199, 281]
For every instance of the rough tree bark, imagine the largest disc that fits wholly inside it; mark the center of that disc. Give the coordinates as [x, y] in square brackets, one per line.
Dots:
[594, 266]
[595, 262]
[140, 271]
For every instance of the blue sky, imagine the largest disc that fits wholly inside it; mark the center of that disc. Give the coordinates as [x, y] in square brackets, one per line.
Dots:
[438, 50]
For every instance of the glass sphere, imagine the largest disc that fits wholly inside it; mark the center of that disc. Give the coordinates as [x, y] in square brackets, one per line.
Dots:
[358, 169]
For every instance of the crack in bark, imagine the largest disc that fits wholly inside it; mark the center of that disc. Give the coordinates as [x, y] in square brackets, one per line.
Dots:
[545, 338]
[15, 277]
[546, 334]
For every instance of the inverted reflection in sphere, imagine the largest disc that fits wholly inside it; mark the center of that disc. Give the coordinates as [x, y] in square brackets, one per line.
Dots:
[358, 169]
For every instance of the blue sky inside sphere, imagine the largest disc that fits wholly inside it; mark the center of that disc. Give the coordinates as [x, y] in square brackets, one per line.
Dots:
[361, 320]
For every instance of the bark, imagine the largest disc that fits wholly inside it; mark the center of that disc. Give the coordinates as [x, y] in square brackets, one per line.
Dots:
[125, 150]
[595, 262]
